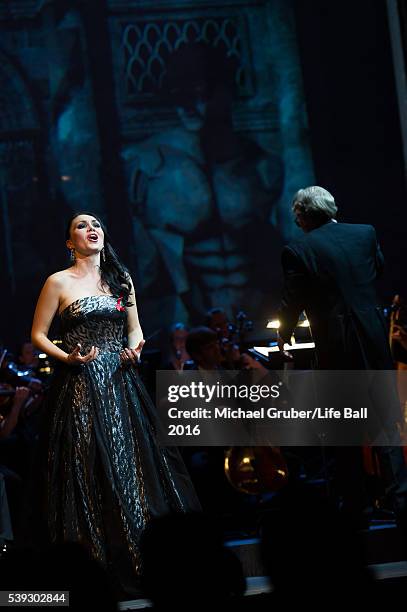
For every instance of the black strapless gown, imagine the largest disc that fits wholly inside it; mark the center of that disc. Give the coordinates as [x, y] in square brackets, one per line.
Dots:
[106, 475]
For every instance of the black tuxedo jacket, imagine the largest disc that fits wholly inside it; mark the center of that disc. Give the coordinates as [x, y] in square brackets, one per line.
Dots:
[330, 273]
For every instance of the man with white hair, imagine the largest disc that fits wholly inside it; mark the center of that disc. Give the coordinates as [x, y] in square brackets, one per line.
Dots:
[330, 272]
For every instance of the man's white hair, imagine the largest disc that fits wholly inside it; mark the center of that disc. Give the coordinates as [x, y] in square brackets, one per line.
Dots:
[315, 202]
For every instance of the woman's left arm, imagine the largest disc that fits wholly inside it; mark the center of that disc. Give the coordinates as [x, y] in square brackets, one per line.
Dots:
[135, 339]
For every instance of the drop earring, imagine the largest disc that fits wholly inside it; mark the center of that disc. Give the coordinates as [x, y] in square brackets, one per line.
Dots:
[72, 256]
[103, 255]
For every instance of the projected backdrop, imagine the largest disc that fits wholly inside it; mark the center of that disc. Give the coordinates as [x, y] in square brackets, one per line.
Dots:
[212, 143]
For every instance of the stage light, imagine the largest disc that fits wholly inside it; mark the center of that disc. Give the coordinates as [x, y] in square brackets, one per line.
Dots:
[275, 324]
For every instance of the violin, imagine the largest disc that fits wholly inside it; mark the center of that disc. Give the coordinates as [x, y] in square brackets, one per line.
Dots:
[21, 377]
[231, 338]
[235, 332]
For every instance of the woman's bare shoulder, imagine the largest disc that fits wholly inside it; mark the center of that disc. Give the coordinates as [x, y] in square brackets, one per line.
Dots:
[59, 279]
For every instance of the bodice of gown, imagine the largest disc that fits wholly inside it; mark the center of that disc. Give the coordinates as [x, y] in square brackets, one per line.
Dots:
[93, 321]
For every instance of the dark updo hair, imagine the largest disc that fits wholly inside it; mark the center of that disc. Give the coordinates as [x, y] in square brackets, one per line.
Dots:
[112, 272]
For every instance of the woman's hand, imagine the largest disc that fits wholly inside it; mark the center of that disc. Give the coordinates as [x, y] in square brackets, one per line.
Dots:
[132, 356]
[75, 358]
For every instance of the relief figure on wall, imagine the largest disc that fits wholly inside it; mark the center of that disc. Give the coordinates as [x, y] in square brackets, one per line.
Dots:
[202, 194]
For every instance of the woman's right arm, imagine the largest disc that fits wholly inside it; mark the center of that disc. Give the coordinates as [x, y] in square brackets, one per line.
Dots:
[47, 307]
